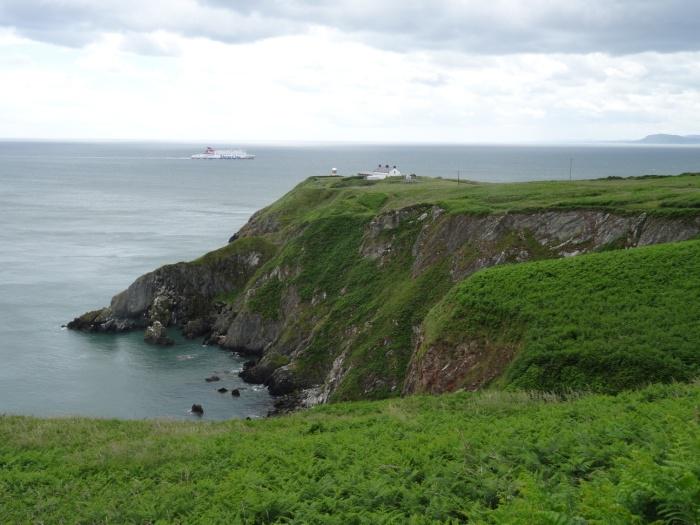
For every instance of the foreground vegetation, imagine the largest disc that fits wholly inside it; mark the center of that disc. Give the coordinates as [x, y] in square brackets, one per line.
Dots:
[489, 457]
[604, 322]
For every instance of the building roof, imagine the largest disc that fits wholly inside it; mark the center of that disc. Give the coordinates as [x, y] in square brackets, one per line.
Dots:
[383, 169]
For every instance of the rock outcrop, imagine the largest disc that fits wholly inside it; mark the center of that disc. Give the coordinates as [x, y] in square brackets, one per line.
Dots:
[182, 294]
[157, 334]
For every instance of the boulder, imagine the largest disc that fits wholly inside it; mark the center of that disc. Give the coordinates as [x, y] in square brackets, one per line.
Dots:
[197, 409]
[282, 382]
[211, 379]
[222, 390]
[236, 393]
[160, 310]
[157, 334]
[255, 374]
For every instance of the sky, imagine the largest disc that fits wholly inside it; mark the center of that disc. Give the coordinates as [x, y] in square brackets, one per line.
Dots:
[349, 70]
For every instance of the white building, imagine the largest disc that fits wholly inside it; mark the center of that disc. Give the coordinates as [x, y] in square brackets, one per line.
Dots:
[381, 172]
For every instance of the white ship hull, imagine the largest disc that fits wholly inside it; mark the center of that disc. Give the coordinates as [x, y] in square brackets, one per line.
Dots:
[216, 154]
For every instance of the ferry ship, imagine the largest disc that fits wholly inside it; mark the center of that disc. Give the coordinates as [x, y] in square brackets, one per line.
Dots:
[211, 153]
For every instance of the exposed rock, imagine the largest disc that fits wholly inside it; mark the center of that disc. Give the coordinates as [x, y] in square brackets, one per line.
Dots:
[195, 328]
[101, 321]
[286, 404]
[212, 379]
[222, 390]
[251, 333]
[173, 294]
[261, 371]
[255, 375]
[479, 241]
[235, 392]
[157, 334]
[197, 409]
[470, 365]
[249, 363]
[260, 223]
[320, 394]
[160, 310]
[378, 240]
[282, 381]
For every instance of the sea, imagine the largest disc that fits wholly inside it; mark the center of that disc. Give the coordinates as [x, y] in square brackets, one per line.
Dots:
[80, 221]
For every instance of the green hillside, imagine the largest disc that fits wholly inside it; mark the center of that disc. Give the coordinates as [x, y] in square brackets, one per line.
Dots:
[321, 229]
[604, 322]
[323, 196]
[478, 458]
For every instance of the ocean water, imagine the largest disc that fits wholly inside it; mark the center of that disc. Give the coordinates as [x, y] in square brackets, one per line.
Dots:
[80, 221]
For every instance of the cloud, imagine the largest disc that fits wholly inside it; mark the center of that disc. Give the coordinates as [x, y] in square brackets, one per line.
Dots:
[614, 27]
[323, 86]
[76, 23]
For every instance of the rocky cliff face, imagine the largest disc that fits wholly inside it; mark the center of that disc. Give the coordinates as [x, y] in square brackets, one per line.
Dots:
[182, 295]
[332, 308]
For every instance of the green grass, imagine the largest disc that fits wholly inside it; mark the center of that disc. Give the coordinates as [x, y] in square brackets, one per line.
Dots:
[378, 304]
[243, 246]
[603, 322]
[323, 196]
[491, 457]
[267, 298]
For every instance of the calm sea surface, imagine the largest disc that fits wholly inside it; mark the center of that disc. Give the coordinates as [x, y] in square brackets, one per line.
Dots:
[79, 222]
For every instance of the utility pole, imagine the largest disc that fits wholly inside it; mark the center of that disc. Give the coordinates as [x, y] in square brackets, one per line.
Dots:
[571, 167]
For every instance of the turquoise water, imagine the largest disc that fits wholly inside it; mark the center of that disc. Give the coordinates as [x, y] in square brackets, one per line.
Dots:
[79, 222]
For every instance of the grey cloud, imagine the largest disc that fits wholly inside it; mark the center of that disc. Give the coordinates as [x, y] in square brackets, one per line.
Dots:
[499, 27]
[76, 23]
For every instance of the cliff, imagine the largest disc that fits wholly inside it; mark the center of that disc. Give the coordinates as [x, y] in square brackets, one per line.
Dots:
[329, 288]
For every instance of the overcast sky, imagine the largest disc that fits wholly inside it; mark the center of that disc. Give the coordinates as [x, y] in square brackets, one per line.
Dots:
[349, 70]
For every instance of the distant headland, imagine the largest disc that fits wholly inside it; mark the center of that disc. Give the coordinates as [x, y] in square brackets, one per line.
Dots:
[665, 138]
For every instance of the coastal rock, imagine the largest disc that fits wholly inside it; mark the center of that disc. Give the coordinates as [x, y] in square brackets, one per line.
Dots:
[251, 333]
[255, 375]
[197, 409]
[236, 393]
[222, 390]
[157, 334]
[160, 310]
[212, 379]
[286, 404]
[282, 382]
[101, 321]
[176, 294]
[195, 328]
[259, 224]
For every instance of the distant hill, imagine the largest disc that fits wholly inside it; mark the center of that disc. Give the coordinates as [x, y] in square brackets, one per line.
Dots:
[663, 138]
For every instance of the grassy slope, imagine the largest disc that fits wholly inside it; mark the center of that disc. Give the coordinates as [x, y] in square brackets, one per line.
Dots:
[321, 223]
[604, 321]
[324, 196]
[488, 457]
